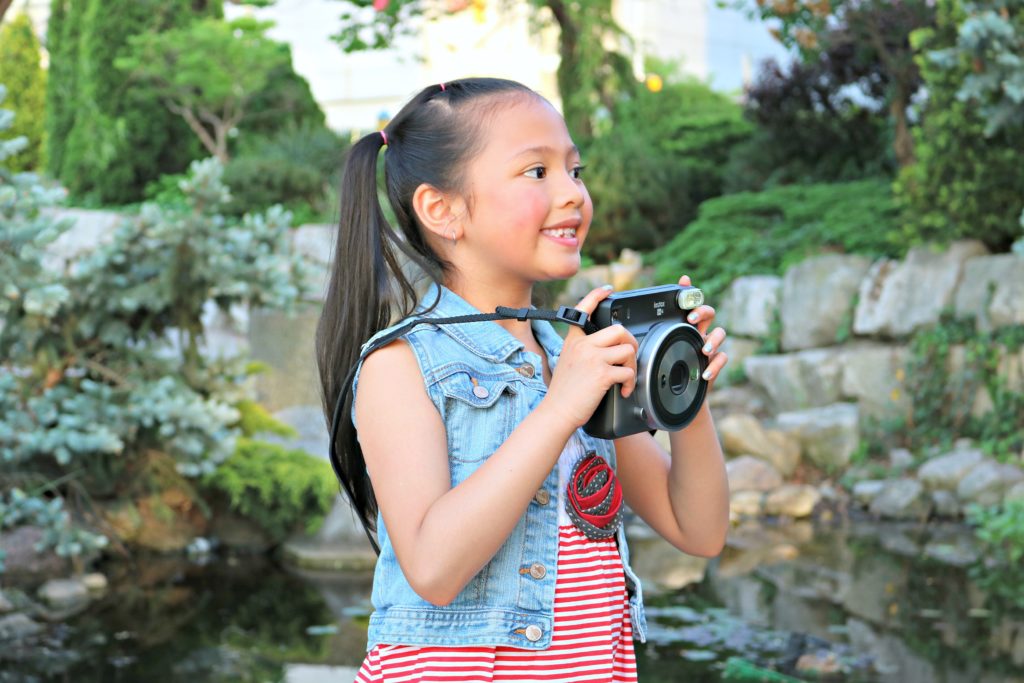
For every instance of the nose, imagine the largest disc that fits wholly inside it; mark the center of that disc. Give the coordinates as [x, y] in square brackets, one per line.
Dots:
[570, 191]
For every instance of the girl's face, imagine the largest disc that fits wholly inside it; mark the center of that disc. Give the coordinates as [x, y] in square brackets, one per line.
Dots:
[529, 211]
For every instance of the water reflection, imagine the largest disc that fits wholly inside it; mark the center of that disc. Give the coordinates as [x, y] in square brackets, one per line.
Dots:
[861, 603]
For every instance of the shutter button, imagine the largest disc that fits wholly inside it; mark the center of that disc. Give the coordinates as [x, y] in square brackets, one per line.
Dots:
[533, 633]
[537, 570]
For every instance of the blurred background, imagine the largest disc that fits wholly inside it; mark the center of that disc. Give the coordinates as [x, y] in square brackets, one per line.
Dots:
[843, 178]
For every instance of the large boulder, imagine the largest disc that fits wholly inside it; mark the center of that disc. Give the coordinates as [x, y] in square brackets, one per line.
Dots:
[899, 297]
[944, 472]
[828, 436]
[795, 381]
[791, 500]
[983, 278]
[743, 434]
[747, 473]
[988, 482]
[817, 299]
[902, 499]
[873, 375]
[749, 306]
[1007, 306]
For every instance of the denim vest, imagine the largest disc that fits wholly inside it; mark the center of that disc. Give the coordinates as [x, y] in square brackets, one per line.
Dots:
[505, 603]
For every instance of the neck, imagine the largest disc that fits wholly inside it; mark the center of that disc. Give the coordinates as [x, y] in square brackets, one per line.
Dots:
[485, 297]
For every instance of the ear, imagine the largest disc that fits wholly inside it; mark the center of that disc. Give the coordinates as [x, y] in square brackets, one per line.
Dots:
[437, 211]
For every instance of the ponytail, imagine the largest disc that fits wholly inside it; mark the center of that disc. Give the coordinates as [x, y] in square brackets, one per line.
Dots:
[427, 141]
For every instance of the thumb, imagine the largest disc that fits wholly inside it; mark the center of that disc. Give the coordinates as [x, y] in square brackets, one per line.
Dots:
[589, 302]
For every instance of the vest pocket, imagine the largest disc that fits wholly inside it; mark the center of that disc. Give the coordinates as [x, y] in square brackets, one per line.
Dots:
[479, 415]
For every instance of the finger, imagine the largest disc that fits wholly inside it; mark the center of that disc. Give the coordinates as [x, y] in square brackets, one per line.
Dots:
[685, 281]
[620, 374]
[713, 341]
[715, 367]
[620, 354]
[701, 317]
[613, 335]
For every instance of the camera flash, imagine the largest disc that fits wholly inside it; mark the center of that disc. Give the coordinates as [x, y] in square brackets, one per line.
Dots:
[690, 298]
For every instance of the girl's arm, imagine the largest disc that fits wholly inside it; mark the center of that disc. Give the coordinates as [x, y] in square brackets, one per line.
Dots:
[443, 535]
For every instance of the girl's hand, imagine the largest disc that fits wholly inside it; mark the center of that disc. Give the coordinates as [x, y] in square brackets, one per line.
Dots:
[701, 318]
[591, 364]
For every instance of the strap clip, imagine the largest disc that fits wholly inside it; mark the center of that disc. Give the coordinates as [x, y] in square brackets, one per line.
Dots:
[573, 316]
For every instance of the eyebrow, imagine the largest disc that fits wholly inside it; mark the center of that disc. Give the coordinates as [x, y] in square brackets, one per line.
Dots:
[544, 149]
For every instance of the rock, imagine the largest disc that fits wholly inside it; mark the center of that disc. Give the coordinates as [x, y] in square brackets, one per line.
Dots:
[987, 483]
[744, 435]
[898, 297]
[981, 279]
[5, 604]
[900, 459]
[90, 228]
[64, 594]
[339, 545]
[737, 350]
[316, 243]
[624, 271]
[237, 532]
[960, 552]
[17, 626]
[817, 296]
[21, 559]
[1015, 492]
[745, 503]
[749, 306]
[169, 521]
[946, 471]
[95, 583]
[284, 341]
[728, 400]
[310, 430]
[818, 665]
[791, 500]
[866, 491]
[901, 499]
[873, 375]
[747, 473]
[122, 517]
[661, 566]
[828, 436]
[945, 503]
[1007, 306]
[795, 381]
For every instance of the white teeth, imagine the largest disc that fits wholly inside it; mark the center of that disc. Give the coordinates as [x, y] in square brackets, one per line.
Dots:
[562, 232]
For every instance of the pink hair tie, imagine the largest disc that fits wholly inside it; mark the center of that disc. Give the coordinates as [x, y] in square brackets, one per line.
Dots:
[384, 135]
[442, 87]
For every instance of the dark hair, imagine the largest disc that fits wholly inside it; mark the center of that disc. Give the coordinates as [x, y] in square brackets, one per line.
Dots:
[429, 141]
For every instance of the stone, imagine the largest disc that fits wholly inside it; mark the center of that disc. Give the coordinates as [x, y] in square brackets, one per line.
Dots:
[817, 299]
[316, 243]
[901, 499]
[792, 500]
[828, 435]
[988, 482]
[661, 566]
[284, 341]
[21, 559]
[747, 473]
[5, 604]
[95, 582]
[900, 459]
[339, 545]
[946, 504]
[744, 435]
[896, 298]
[169, 521]
[1015, 492]
[749, 306]
[981, 278]
[795, 381]
[866, 491]
[62, 594]
[958, 552]
[874, 375]
[946, 471]
[819, 665]
[1007, 306]
[122, 518]
[737, 350]
[310, 427]
[237, 532]
[89, 229]
[730, 399]
[745, 503]
[17, 626]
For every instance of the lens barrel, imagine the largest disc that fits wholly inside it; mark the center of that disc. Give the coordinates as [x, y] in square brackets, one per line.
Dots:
[670, 387]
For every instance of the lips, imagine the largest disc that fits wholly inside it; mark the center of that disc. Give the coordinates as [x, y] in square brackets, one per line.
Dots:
[564, 230]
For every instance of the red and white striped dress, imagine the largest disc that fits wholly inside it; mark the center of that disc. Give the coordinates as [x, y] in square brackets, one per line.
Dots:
[592, 640]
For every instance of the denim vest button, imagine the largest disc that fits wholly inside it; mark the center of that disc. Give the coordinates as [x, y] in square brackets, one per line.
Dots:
[526, 370]
[533, 633]
[480, 391]
[537, 570]
[542, 497]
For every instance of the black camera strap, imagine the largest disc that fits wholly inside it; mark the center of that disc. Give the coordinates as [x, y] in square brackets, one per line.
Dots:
[572, 316]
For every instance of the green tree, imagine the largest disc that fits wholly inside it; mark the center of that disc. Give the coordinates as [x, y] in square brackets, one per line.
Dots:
[594, 69]
[21, 72]
[206, 73]
[965, 183]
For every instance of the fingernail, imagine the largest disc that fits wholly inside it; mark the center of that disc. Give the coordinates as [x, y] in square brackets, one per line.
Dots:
[707, 348]
[707, 374]
[692, 317]
[606, 287]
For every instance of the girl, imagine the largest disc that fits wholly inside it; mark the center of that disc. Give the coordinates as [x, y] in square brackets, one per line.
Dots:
[501, 550]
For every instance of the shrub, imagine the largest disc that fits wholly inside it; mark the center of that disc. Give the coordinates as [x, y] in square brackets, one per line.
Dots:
[766, 232]
[258, 182]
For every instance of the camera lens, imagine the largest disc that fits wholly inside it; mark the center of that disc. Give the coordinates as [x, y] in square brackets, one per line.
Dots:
[679, 377]
[669, 383]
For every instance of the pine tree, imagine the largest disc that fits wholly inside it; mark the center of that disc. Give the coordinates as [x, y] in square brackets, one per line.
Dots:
[21, 72]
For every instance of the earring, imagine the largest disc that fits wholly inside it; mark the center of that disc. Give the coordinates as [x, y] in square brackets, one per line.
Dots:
[449, 233]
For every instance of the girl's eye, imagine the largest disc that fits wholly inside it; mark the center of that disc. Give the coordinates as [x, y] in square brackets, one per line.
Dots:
[577, 172]
[538, 172]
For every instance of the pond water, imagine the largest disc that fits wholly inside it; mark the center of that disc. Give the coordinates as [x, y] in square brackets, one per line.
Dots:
[858, 603]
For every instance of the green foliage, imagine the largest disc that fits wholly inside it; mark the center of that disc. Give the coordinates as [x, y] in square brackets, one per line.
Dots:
[948, 364]
[207, 72]
[1001, 530]
[739, 669]
[992, 38]
[259, 182]
[766, 232]
[964, 183]
[108, 138]
[22, 73]
[282, 490]
[254, 419]
[663, 154]
[18, 508]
